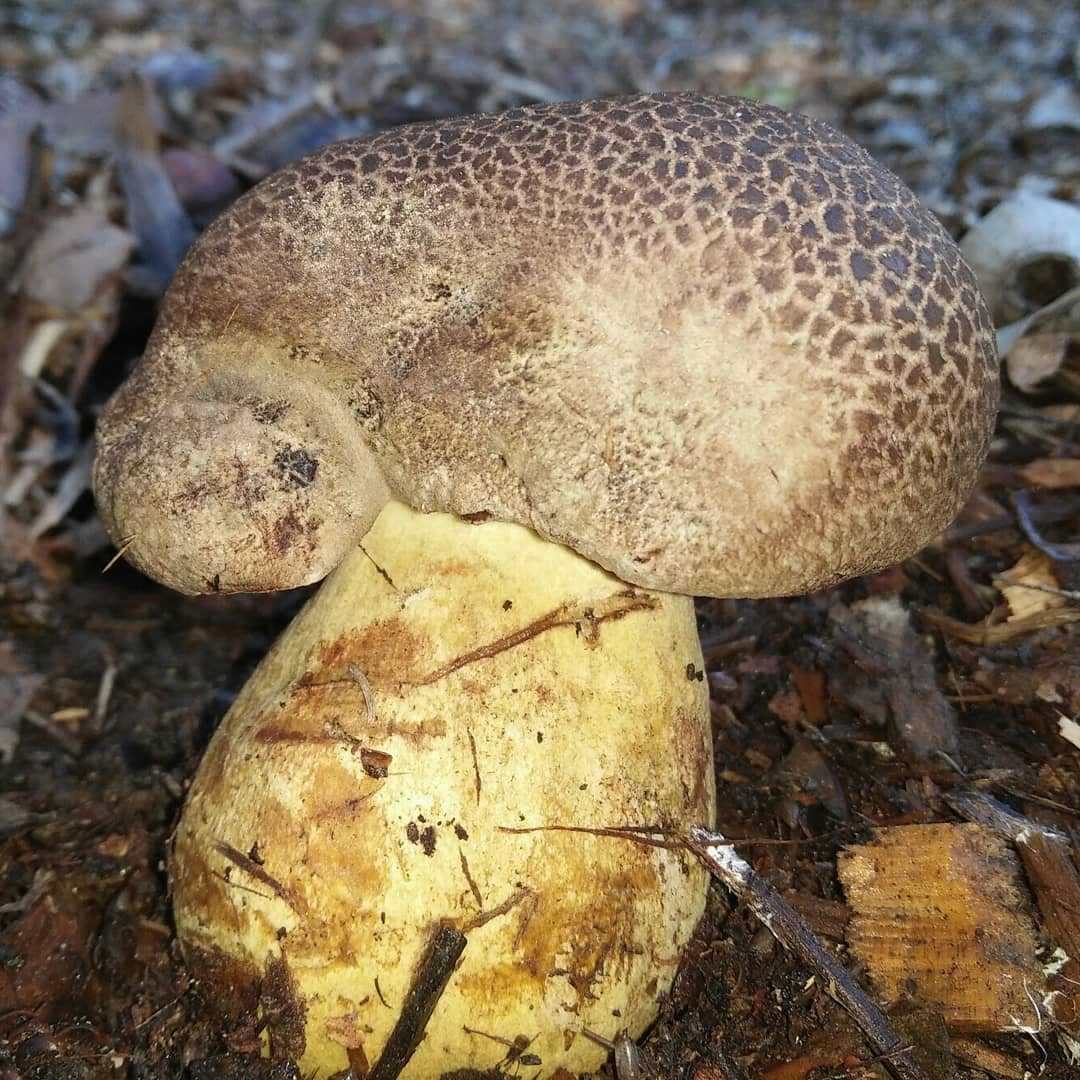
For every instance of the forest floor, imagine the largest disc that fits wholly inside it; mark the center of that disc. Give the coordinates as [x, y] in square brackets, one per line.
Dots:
[126, 125]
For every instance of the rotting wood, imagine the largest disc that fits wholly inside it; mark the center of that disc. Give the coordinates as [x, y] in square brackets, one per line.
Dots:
[428, 986]
[940, 917]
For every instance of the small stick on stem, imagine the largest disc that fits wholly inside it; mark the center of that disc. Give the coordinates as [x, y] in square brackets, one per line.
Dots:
[787, 926]
[428, 986]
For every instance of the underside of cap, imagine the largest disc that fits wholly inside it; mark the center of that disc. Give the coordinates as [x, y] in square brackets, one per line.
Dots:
[709, 344]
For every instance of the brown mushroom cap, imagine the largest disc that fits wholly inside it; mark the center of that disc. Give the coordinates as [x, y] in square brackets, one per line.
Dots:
[709, 344]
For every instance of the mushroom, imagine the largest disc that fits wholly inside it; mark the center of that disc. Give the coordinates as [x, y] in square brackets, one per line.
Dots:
[532, 380]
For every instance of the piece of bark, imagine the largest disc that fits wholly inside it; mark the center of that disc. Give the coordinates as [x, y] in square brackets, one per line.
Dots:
[940, 917]
[827, 918]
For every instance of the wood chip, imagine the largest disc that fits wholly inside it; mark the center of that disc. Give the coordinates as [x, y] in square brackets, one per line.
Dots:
[940, 916]
[1054, 880]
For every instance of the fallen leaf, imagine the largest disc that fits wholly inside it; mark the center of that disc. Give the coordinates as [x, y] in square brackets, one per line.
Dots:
[805, 772]
[1052, 472]
[160, 224]
[73, 257]
[786, 706]
[1059, 107]
[17, 689]
[896, 670]
[800, 1068]
[811, 688]
[1024, 586]
[1035, 358]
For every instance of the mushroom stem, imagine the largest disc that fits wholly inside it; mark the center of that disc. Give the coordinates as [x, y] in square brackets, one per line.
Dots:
[336, 822]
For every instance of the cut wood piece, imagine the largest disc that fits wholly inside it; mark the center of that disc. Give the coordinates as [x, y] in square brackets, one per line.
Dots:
[1052, 874]
[940, 917]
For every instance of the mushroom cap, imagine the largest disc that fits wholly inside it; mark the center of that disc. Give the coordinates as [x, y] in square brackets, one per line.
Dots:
[713, 346]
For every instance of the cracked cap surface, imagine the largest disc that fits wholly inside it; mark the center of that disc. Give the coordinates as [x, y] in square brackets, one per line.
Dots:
[713, 346]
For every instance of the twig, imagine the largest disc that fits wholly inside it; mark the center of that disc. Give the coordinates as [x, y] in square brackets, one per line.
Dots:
[784, 923]
[428, 986]
[356, 673]
[1022, 504]
[980, 634]
[125, 543]
[104, 695]
[1065, 594]
[1046, 513]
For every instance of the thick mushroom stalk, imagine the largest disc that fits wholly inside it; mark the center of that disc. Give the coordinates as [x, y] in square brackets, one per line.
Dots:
[710, 345]
[450, 683]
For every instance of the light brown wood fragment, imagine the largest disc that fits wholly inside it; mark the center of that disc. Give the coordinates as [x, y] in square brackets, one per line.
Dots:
[940, 917]
[980, 1056]
[1047, 856]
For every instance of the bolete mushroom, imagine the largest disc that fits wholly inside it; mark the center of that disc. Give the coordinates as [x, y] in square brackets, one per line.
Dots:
[524, 377]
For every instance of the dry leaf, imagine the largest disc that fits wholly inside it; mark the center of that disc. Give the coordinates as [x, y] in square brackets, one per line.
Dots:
[1033, 569]
[160, 224]
[1052, 472]
[1034, 358]
[17, 689]
[1064, 412]
[1059, 107]
[894, 675]
[73, 257]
